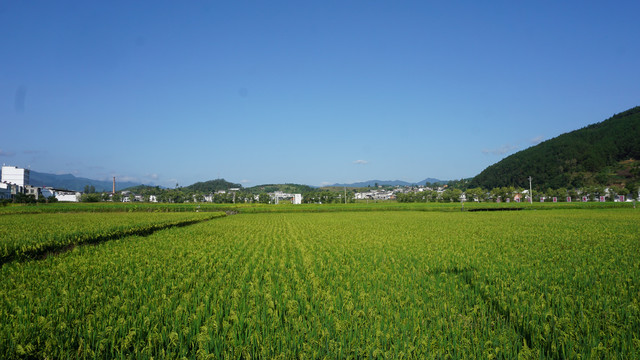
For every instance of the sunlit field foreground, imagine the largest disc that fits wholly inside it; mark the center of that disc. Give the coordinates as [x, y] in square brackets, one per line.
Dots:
[384, 284]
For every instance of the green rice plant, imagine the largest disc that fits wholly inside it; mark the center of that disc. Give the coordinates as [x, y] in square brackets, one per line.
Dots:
[552, 284]
[29, 235]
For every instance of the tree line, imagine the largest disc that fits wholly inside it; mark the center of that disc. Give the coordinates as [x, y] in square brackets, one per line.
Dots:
[593, 193]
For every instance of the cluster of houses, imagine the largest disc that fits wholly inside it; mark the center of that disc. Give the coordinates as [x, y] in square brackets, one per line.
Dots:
[376, 194]
[390, 194]
[15, 181]
[274, 197]
[381, 193]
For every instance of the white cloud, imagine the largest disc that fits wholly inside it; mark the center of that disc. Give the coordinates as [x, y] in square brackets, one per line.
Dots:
[127, 179]
[6, 153]
[361, 162]
[501, 150]
[326, 183]
[153, 176]
[537, 140]
[245, 181]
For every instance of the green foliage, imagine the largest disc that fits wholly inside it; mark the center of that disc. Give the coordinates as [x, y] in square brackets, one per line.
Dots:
[21, 198]
[576, 159]
[461, 184]
[91, 197]
[145, 190]
[263, 198]
[326, 196]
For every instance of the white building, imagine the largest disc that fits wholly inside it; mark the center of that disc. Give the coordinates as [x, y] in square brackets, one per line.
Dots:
[279, 195]
[66, 195]
[15, 175]
[375, 195]
[33, 190]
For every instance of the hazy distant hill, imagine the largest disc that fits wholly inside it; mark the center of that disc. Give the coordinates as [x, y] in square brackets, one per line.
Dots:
[387, 182]
[287, 188]
[70, 182]
[600, 154]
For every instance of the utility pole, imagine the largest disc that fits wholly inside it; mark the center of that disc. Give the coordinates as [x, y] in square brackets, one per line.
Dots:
[345, 194]
[233, 190]
[530, 192]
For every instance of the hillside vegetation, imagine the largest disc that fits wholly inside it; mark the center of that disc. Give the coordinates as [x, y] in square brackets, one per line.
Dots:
[212, 186]
[600, 154]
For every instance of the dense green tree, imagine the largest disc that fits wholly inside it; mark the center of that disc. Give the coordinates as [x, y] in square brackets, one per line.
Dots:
[264, 198]
[451, 195]
[21, 198]
[456, 195]
[90, 197]
[562, 194]
[475, 194]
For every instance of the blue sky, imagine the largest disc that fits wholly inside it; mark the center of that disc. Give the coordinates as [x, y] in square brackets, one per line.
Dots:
[317, 92]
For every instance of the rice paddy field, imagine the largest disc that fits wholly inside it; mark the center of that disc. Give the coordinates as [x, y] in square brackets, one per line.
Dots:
[381, 284]
[25, 236]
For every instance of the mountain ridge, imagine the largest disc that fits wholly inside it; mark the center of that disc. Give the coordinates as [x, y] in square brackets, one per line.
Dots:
[589, 156]
[387, 182]
[72, 182]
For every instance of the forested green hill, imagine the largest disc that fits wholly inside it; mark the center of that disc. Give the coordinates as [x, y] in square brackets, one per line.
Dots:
[212, 186]
[605, 153]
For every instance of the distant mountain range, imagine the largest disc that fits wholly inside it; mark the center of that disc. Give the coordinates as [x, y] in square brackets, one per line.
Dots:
[388, 182]
[71, 182]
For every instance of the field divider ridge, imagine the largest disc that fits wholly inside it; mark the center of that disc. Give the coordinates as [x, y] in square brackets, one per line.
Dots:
[503, 312]
[95, 238]
[494, 307]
